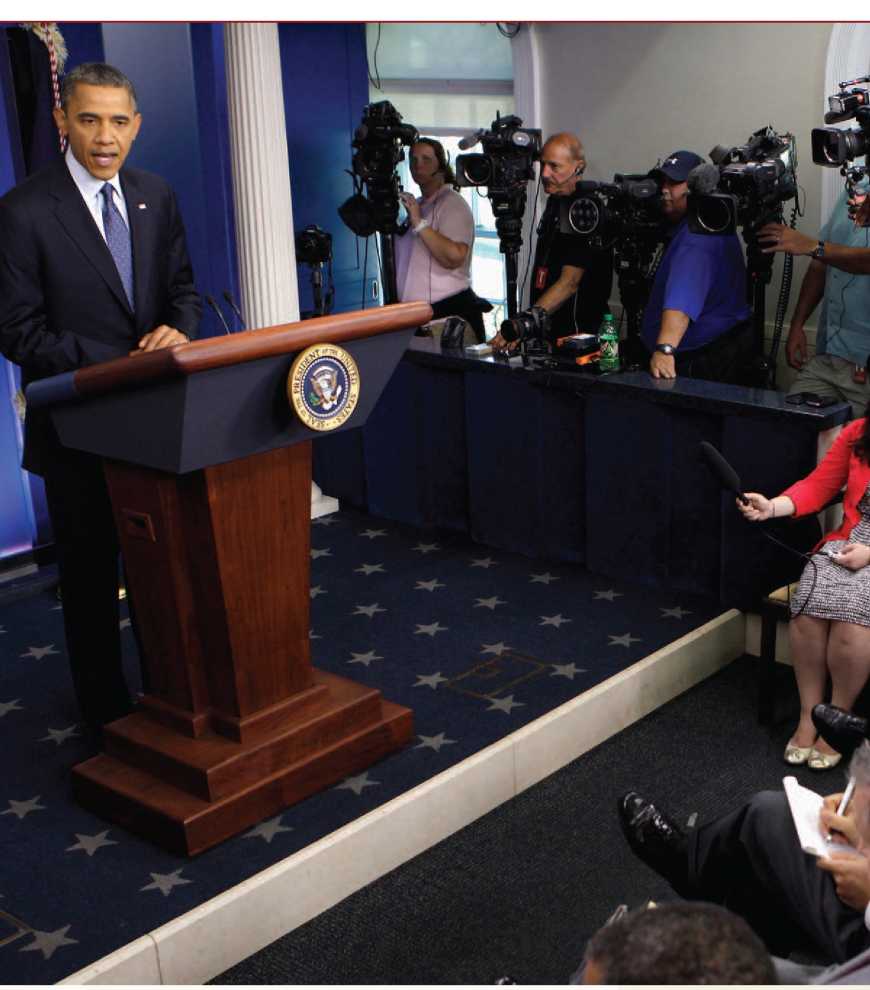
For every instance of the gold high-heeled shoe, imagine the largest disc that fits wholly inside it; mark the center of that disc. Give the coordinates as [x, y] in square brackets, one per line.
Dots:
[795, 755]
[823, 761]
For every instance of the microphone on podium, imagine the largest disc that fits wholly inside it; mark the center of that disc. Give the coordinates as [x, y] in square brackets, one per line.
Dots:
[726, 475]
[231, 303]
[216, 308]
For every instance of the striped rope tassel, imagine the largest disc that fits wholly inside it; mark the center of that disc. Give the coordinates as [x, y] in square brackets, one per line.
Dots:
[55, 83]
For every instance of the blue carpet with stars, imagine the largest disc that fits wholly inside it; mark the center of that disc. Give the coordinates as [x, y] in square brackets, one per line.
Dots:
[476, 641]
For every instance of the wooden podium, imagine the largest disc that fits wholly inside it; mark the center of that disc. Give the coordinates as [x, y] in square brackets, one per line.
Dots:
[209, 471]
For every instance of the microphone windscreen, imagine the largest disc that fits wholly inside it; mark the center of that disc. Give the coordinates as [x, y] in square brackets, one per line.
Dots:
[727, 476]
[703, 179]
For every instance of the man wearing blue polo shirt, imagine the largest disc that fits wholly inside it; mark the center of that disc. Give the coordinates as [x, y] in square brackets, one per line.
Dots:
[697, 321]
[836, 277]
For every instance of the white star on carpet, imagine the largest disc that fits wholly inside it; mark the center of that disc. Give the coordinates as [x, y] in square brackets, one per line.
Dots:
[364, 658]
[430, 680]
[429, 585]
[267, 830]
[91, 843]
[506, 704]
[567, 670]
[674, 613]
[430, 630]
[495, 648]
[373, 534]
[316, 590]
[124, 624]
[607, 596]
[357, 784]
[164, 882]
[48, 942]
[369, 569]
[38, 652]
[625, 640]
[60, 735]
[553, 620]
[545, 578]
[489, 603]
[320, 553]
[368, 610]
[22, 808]
[434, 742]
[324, 521]
[10, 706]
[485, 562]
[2, 630]
[313, 635]
[426, 547]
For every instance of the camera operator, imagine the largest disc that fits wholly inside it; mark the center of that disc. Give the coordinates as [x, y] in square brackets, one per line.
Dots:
[839, 368]
[562, 261]
[433, 258]
[697, 321]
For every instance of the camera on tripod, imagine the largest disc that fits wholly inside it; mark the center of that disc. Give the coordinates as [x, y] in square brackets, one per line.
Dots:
[746, 187]
[835, 148]
[603, 213]
[378, 145]
[531, 324]
[313, 246]
[509, 153]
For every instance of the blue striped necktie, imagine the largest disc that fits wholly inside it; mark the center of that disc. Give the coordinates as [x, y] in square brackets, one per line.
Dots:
[118, 240]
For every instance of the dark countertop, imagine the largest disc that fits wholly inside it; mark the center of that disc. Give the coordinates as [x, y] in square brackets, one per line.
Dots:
[637, 385]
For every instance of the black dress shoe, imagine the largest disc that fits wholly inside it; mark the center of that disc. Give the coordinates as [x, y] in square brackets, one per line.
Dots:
[840, 729]
[655, 839]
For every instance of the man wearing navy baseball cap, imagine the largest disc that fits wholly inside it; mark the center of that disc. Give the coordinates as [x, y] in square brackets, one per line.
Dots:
[697, 321]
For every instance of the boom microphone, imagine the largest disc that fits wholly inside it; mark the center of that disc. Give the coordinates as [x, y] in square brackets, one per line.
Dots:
[704, 179]
[725, 474]
[470, 140]
[216, 308]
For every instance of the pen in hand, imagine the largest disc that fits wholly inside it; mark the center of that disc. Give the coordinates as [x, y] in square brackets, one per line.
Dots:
[847, 796]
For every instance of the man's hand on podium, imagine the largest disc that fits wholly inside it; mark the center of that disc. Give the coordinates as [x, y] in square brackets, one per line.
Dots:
[159, 337]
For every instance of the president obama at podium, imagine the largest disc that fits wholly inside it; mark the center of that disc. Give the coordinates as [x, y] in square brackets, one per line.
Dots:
[93, 266]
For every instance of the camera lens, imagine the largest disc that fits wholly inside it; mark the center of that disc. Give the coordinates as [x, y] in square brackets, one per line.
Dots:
[478, 169]
[715, 214]
[584, 215]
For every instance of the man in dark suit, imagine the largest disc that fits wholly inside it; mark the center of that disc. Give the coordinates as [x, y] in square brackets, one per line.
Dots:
[93, 266]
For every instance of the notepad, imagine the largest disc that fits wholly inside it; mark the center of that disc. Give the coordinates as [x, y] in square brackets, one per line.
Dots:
[805, 806]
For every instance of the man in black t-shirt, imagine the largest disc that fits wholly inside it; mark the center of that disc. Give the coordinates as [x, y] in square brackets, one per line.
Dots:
[563, 261]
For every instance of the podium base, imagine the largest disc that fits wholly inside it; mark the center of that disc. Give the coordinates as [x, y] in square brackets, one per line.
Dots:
[187, 795]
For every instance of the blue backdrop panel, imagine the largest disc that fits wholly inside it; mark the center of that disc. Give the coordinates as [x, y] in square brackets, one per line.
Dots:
[525, 467]
[84, 42]
[159, 60]
[325, 80]
[414, 448]
[16, 517]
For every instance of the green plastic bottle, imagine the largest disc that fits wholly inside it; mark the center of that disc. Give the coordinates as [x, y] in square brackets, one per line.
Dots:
[608, 341]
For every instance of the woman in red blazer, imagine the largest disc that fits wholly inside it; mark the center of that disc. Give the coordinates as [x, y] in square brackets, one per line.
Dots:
[829, 633]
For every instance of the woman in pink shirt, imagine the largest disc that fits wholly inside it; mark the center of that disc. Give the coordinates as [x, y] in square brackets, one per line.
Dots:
[433, 258]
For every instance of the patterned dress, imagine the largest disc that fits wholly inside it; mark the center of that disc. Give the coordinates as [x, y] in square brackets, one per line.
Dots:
[832, 591]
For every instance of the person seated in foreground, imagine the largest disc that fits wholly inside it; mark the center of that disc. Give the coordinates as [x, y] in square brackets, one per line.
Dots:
[678, 943]
[750, 861]
[829, 632]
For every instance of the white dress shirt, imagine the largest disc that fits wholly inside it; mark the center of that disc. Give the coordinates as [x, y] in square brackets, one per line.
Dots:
[90, 187]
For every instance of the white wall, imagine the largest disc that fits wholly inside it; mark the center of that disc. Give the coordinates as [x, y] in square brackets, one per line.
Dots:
[636, 92]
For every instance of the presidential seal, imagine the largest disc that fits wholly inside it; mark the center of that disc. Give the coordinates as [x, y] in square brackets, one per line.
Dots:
[323, 386]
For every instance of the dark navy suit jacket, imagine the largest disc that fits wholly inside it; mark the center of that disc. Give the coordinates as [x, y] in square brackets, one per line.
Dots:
[62, 305]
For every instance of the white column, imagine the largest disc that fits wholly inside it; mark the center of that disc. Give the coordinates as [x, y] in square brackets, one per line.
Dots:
[261, 175]
[261, 186]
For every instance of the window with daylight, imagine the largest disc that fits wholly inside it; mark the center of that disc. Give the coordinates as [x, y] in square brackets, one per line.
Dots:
[447, 98]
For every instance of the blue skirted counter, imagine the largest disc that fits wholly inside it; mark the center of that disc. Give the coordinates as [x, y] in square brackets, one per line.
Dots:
[599, 470]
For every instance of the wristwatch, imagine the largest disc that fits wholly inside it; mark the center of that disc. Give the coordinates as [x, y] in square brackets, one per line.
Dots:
[818, 251]
[665, 348]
